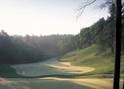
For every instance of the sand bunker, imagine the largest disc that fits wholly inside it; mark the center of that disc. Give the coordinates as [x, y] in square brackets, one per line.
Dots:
[95, 83]
[66, 66]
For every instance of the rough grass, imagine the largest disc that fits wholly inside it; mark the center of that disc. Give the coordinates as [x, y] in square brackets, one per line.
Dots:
[8, 71]
[103, 63]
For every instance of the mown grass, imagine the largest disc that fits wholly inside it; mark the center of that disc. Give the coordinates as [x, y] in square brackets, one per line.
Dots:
[102, 62]
[40, 84]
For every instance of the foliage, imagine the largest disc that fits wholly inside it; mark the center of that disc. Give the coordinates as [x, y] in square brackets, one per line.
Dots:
[18, 49]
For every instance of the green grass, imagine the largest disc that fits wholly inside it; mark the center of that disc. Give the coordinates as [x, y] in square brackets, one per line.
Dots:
[8, 71]
[103, 63]
[40, 84]
[19, 82]
[53, 84]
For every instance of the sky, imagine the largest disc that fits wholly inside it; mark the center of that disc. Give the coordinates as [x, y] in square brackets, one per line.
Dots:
[46, 17]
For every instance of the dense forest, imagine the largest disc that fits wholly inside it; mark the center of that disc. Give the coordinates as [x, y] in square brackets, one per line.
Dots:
[24, 49]
[18, 49]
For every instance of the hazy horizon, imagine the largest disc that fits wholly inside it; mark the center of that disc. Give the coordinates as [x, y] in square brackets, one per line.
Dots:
[46, 17]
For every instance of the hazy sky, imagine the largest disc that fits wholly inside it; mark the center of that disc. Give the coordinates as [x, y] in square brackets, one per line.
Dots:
[36, 17]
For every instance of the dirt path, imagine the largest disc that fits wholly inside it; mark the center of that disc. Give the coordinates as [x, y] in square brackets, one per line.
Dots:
[8, 83]
[26, 86]
[4, 81]
[67, 67]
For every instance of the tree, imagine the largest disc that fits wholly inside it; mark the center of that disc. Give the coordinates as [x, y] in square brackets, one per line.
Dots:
[119, 12]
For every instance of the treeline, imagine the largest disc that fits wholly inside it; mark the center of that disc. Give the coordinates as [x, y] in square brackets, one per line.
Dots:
[102, 33]
[19, 49]
[24, 49]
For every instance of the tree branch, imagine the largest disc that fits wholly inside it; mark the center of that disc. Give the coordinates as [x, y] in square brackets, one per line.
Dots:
[81, 9]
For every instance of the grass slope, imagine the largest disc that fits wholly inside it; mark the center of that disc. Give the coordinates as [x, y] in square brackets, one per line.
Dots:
[103, 63]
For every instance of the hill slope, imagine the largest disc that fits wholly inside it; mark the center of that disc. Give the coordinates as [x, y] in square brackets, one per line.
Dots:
[103, 63]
